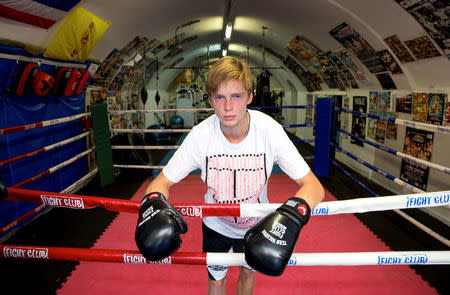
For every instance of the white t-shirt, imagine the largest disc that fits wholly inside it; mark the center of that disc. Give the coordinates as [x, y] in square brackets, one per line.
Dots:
[236, 173]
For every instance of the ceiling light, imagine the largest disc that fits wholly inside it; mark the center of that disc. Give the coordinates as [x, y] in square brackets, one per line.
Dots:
[137, 58]
[228, 30]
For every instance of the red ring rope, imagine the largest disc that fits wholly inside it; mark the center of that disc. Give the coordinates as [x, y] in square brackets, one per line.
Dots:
[116, 205]
[98, 255]
[13, 129]
[54, 168]
[22, 218]
[43, 149]
[71, 201]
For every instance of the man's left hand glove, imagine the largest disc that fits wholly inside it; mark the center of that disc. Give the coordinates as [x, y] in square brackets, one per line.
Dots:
[269, 244]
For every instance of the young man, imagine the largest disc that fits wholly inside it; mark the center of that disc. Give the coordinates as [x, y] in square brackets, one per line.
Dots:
[236, 149]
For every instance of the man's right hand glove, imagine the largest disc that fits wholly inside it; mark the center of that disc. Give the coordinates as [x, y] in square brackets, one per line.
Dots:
[159, 227]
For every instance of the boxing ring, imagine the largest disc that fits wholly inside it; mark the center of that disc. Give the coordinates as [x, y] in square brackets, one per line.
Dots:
[48, 200]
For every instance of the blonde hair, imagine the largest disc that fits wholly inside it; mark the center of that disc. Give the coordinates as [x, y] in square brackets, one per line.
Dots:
[229, 68]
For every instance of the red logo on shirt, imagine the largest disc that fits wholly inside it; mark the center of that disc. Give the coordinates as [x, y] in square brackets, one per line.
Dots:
[302, 209]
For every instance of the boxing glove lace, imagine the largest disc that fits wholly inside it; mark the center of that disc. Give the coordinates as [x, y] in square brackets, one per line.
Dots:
[158, 228]
[269, 244]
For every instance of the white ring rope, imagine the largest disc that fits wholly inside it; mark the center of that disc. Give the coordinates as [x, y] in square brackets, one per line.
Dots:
[144, 147]
[66, 141]
[138, 166]
[417, 125]
[123, 112]
[351, 258]
[424, 228]
[434, 166]
[360, 205]
[118, 130]
[79, 182]
[159, 111]
[71, 160]
[423, 126]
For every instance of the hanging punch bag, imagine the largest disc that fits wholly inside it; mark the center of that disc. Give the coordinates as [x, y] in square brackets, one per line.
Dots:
[157, 98]
[144, 95]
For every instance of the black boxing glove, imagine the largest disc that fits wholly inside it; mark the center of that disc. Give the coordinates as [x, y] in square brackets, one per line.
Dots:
[269, 244]
[158, 228]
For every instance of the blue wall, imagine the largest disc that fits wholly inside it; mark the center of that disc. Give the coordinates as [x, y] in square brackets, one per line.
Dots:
[31, 108]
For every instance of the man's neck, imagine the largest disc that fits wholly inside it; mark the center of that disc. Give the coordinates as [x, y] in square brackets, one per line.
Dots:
[238, 134]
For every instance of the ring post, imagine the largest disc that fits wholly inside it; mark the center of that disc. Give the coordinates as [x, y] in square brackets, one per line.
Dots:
[103, 151]
[323, 135]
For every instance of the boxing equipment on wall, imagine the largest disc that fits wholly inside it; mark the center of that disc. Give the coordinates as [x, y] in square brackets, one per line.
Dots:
[42, 83]
[85, 75]
[70, 81]
[67, 81]
[38, 80]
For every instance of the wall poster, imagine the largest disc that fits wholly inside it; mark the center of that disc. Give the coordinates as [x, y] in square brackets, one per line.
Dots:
[436, 103]
[418, 144]
[420, 107]
[358, 122]
[399, 49]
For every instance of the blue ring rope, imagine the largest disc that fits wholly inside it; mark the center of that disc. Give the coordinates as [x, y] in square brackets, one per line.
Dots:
[354, 179]
[386, 149]
[385, 174]
[299, 125]
[303, 141]
[366, 115]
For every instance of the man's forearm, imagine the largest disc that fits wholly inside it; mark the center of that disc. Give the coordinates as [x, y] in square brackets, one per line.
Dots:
[160, 184]
[312, 193]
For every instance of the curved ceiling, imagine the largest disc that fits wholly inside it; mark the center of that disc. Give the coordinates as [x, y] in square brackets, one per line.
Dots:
[283, 20]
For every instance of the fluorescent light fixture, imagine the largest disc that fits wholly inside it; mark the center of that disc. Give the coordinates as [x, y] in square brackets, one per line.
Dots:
[137, 58]
[130, 63]
[224, 52]
[228, 30]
